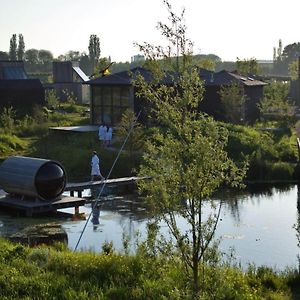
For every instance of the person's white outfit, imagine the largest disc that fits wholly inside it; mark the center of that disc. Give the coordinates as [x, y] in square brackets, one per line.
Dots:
[95, 171]
[108, 136]
[102, 132]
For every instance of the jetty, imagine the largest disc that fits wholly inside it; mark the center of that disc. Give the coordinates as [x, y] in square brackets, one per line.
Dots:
[34, 205]
[79, 187]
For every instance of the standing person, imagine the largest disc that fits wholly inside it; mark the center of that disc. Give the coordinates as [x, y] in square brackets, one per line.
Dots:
[108, 136]
[102, 132]
[95, 169]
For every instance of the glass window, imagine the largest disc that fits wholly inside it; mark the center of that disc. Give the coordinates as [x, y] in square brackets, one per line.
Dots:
[97, 91]
[125, 96]
[106, 115]
[97, 115]
[106, 96]
[116, 96]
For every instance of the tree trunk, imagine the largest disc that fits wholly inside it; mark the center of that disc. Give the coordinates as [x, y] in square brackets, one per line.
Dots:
[196, 276]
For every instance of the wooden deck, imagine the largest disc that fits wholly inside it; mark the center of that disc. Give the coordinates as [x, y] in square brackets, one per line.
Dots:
[34, 206]
[80, 186]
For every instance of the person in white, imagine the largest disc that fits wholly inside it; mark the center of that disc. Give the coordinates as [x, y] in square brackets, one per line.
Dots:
[95, 169]
[102, 132]
[108, 136]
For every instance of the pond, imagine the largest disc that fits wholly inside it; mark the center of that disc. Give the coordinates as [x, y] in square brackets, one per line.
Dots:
[257, 223]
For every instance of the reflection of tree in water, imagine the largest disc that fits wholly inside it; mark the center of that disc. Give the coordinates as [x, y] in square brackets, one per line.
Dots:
[297, 225]
[233, 198]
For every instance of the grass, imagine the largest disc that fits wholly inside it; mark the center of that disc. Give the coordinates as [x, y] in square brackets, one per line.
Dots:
[57, 273]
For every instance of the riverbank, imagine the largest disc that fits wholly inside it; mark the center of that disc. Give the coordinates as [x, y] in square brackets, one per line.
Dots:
[55, 272]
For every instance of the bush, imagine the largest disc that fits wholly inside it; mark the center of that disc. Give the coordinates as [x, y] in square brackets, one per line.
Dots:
[281, 171]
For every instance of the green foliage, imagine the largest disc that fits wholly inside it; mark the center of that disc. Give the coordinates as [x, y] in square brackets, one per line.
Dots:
[70, 97]
[232, 100]
[108, 248]
[11, 144]
[186, 157]
[248, 67]
[44, 273]
[7, 120]
[51, 99]
[275, 104]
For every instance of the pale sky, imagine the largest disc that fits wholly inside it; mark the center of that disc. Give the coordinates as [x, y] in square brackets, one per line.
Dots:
[227, 28]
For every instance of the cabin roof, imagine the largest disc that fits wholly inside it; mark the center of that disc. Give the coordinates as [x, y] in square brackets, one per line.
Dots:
[209, 77]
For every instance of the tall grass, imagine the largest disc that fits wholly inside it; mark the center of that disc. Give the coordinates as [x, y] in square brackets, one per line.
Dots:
[56, 273]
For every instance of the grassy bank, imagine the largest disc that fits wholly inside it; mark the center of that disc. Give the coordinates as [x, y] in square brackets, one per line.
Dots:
[57, 273]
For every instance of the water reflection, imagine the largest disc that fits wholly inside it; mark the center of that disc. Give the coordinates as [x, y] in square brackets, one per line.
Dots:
[257, 222]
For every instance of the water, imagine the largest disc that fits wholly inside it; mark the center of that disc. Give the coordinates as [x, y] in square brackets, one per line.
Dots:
[258, 225]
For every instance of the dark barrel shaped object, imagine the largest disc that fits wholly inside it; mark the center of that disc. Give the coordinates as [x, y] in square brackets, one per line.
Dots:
[32, 177]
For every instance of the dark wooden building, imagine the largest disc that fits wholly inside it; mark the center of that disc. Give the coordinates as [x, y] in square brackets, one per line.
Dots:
[111, 95]
[16, 89]
[68, 77]
[252, 90]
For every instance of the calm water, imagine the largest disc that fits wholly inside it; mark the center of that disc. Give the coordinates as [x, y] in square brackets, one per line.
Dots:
[258, 225]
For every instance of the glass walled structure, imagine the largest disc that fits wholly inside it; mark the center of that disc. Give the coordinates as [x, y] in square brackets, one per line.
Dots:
[110, 102]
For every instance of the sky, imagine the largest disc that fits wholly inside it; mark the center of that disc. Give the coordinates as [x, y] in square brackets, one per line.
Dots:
[230, 29]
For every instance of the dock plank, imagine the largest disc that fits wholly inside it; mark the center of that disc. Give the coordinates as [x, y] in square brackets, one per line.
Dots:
[89, 184]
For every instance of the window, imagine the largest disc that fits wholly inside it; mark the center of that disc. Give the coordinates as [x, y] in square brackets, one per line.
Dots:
[109, 102]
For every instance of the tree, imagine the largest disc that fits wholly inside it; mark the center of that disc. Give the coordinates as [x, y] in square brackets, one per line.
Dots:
[13, 48]
[21, 48]
[289, 54]
[233, 100]
[85, 64]
[94, 50]
[275, 102]
[73, 55]
[248, 67]
[45, 58]
[185, 156]
[4, 55]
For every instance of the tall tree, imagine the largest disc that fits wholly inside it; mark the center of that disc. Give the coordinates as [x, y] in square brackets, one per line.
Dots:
[13, 47]
[21, 48]
[94, 50]
[185, 157]
[4, 55]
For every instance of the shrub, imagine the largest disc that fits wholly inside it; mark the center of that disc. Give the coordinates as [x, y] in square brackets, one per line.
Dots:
[281, 171]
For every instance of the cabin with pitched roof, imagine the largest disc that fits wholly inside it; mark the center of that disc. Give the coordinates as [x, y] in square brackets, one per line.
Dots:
[111, 95]
[16, 89]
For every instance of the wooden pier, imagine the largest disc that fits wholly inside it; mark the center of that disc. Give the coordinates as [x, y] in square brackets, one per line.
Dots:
[32, 206]
[80, 186]
[35, 206]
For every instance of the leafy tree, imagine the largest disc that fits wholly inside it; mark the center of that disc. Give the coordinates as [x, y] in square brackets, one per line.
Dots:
[21, 48]
[13, 48]
[185, 156]
[45, 58]
[32, 56]
[275, 102]
[94, 50]
[248, 66]
[293, 69]
[73, 55]
[85, 64]
[4, 55]
[289, 54]
[233, 100]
